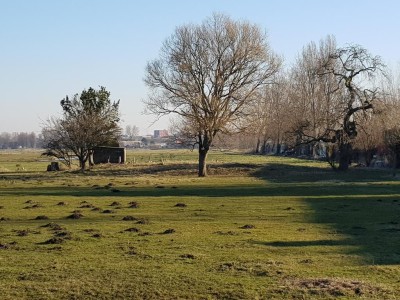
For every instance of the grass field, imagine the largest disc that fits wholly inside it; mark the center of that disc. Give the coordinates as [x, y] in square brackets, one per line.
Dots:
[257, 228]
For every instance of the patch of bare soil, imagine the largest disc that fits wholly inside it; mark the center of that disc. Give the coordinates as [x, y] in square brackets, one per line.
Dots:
[24, 232]
[66, 235]
[129, 218]
[133, 204]
[9, 246]
[247, 226]
[187, 256]
[132, 229]
[333, 287]
[75, 215]
[250, 268]
[37, 205]
[54, 240]
[232, 168]
[86, 206]
[53, 226]
[42, 217]
[143, 221]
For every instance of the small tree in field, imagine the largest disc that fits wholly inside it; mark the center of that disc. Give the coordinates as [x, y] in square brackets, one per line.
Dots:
[89, 120]
[207, 74]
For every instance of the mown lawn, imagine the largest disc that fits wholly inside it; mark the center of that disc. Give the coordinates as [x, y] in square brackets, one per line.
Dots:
[257, 228]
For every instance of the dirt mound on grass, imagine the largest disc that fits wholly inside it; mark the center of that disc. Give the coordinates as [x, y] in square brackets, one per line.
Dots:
[75, 215]
[42, 217]
[328, 287]
[133, 229]
[133, 204]
[53, 226]
[129, 218]
[54, 240]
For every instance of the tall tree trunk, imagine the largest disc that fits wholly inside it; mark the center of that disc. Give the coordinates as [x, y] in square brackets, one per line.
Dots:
[91, 160]
[202, 162]
[82, 163]
[264, 147]
[344, 156]
[278, 148]
[369, 156]
[397, 158]
[82, 160]
[258, 146]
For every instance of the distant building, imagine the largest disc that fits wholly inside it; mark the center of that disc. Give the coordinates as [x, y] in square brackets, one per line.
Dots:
[160, 133]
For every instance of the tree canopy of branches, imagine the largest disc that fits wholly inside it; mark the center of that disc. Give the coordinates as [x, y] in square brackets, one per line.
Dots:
[207, 74]
[131, 131]
[89, 120]
[268, 116]
[340, 87]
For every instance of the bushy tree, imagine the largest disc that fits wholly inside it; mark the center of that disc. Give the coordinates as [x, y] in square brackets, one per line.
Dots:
[89, 120]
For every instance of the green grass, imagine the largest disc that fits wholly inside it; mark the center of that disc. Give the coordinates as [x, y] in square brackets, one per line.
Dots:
[257, 228]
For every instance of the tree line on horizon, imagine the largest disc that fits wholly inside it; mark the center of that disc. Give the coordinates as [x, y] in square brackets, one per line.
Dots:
[222, 82]
[17, 140]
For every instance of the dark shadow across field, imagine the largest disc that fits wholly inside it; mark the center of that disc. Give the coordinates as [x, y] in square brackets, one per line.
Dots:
[359, 207]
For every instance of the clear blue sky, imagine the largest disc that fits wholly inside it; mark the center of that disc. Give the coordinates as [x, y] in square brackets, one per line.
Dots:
[53, 48]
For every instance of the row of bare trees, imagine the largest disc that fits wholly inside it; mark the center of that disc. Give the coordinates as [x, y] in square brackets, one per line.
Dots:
[334, 102]
[19, 140]
[221, 79]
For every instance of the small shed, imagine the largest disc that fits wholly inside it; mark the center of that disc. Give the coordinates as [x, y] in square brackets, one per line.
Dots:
[114, 155]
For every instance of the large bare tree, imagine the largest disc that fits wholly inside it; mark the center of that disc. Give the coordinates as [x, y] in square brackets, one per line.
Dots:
[207, 74]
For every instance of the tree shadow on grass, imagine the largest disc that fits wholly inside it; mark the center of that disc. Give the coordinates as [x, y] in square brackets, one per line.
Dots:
[298, 173]
[371, 227]
[361, 206]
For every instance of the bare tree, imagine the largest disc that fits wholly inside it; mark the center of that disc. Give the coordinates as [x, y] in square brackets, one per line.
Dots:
[390, 118]
[267, 117]
[370, 134]
[353, 69]
[313, 106]
[207, 74]
[131, 131]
